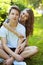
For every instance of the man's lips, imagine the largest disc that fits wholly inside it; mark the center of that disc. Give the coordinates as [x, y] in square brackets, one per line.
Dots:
[14, 19]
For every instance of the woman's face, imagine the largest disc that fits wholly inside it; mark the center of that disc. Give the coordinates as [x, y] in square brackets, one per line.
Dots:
[24, 15]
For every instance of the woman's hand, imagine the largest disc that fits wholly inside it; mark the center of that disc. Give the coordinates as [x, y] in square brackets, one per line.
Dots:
[20, 36]
[21, 48]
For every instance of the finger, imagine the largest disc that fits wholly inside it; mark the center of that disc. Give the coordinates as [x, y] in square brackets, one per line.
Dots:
[20, 50]
[19, 47]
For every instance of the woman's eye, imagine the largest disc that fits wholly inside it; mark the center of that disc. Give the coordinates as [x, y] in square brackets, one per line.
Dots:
[23, 13]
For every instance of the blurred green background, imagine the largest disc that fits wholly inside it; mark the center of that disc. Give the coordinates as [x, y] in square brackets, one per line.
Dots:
[37, 37]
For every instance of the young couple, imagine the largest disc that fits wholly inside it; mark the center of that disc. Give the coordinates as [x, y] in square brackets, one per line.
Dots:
[14, 36]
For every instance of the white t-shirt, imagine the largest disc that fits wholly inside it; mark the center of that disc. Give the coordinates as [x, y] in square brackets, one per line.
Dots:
[12, 39]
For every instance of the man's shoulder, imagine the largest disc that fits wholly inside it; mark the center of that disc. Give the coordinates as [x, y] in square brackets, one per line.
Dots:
[7, 20]
[3, 28]
[21, 26]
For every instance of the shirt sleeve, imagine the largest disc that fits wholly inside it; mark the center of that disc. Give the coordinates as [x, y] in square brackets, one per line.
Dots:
[7, 21]
[3, 31]
[22, 30]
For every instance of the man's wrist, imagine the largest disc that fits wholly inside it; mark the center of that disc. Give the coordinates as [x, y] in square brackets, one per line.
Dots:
[12, 58]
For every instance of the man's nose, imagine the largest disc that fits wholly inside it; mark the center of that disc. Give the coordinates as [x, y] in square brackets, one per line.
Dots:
[14, 16]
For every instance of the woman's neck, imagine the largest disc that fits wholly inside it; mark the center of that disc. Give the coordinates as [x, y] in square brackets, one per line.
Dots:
[23, 23]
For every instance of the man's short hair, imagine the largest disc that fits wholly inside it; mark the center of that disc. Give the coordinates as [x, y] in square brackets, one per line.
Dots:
[14, 7]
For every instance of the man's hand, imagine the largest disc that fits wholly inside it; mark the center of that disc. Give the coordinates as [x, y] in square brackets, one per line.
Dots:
[8, 61]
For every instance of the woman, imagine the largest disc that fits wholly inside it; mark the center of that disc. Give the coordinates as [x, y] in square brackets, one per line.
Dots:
[27, 19]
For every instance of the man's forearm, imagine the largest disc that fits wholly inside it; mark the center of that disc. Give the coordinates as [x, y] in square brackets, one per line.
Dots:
[9, 51]
[3, 54]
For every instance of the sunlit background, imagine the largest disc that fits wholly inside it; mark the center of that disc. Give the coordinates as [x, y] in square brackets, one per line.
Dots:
[37, 37]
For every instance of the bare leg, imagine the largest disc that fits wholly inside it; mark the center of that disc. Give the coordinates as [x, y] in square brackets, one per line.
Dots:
[29, 51]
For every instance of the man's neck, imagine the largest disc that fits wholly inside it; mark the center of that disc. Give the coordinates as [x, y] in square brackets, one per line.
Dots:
[13, 25]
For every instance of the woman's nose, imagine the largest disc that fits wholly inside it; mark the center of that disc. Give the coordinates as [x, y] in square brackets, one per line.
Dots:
[22, 15]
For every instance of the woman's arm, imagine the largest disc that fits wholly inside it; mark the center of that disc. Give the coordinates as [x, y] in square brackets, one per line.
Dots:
[21, 45]
[9, 28]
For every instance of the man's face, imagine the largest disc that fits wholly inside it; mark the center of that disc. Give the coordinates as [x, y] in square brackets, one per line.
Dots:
[14, 15]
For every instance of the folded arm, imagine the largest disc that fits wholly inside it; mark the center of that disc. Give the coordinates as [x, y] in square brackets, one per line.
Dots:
[6, 25]
[9, 51]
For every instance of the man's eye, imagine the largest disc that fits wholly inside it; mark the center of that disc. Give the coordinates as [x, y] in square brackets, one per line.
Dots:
[16, 14]
[12, 13]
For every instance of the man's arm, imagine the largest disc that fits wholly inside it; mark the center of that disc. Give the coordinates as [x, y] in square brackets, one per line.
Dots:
[9, 51]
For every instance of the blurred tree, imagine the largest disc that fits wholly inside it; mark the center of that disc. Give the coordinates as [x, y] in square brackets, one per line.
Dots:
[5, 4]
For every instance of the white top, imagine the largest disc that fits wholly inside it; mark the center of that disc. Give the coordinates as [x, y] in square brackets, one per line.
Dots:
[12, 39]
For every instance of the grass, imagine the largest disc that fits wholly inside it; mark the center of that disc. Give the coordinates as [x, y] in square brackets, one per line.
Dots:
[37, 40]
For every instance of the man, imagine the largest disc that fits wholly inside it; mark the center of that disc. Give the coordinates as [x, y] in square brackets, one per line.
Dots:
[9, 40]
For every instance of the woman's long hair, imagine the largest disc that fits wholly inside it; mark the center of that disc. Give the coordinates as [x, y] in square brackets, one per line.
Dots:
[29, 23]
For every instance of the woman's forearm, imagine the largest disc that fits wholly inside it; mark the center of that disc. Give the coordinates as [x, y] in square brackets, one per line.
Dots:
[15, 32]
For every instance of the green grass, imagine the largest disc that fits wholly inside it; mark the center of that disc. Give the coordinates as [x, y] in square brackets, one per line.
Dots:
[37, 40]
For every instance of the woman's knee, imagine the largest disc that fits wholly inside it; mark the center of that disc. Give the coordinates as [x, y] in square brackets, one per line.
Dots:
[35, 49]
